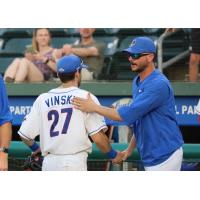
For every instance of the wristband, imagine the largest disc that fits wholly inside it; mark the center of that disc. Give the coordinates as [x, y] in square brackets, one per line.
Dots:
[34, 147]
[112, 154]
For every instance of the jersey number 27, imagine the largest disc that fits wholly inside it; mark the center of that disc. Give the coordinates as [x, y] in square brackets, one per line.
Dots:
[54, 114]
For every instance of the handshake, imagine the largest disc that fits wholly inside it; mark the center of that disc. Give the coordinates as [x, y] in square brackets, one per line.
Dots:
[121, 156]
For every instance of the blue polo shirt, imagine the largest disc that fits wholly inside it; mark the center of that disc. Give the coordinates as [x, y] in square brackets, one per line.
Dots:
[5, 114]
[152, 114]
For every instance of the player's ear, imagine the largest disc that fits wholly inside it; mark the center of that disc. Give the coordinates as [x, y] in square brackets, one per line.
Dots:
[77, 73]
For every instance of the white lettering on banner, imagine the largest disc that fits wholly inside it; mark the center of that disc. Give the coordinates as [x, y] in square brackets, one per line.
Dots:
[176, 109]
[20, 110]
[185, 110]
[180, 110]
[188, 110]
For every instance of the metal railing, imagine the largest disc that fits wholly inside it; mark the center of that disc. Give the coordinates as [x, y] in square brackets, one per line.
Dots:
[162, 65]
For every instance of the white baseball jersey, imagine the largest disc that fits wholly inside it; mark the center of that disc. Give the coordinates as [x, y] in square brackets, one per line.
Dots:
[62, 128]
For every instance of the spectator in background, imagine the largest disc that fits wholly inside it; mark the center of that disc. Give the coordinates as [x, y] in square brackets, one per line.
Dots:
[194, 53]
[39, 62]
[91, 52]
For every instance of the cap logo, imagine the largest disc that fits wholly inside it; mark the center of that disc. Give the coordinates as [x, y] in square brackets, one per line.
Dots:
[133, 43]
[61, 70]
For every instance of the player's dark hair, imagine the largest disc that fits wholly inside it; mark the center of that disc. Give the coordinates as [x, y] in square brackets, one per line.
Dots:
[65, 77]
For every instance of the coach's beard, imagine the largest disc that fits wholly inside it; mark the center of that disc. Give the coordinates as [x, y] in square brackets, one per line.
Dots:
[137, 69]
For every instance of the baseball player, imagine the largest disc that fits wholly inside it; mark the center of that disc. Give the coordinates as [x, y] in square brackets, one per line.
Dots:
[152, 112]
[63, 130]
[5, 126]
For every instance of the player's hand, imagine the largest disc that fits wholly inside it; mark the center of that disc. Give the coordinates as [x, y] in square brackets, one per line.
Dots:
[85, 105]
[3, 161]
[118, 159]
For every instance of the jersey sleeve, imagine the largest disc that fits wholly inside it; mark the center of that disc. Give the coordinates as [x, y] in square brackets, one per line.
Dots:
[149, 99]
[5, 114]
[30, 127]
[95, 122]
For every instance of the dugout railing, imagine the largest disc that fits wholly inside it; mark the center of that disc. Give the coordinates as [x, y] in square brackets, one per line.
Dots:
[98, 161]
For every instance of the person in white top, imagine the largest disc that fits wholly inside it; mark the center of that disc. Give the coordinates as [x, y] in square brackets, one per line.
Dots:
[64, 131]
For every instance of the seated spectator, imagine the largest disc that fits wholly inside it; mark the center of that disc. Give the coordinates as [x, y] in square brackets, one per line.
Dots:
[39, 62]
[194, 53]
[91, 52]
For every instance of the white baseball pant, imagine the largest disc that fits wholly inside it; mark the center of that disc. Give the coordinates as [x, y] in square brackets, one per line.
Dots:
[173, 163]
[76, 162]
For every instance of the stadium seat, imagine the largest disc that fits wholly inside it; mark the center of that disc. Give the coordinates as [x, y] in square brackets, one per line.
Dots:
[16, 45]
[16, 33]
[72, 32]
[110, 42]
[119, 68]
[57, 32]
[99, 32]
[58, 42]
[131, 31]
[4, 62]
[111, 31]
[175, 44]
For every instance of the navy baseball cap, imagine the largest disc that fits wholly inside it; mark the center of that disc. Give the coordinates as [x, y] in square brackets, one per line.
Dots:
[69, 64]
[141, 45]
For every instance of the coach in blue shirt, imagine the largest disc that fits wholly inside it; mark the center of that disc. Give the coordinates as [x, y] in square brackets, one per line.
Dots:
[152, 112]
[5, 126]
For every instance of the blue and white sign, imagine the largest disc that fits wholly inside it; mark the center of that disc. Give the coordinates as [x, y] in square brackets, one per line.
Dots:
[185, 108]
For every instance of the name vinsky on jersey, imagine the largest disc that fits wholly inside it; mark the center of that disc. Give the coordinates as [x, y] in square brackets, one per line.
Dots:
[59, 100]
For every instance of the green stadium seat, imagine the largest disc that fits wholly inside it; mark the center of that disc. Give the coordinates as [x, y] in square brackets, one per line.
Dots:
[58, 42]
[59, 32]
[111, 43]
[119, 68]
[16, 33]
[175, 44]
[16, 45]
[99, 32]
[111, 31]
[130, 32]
[4, 62]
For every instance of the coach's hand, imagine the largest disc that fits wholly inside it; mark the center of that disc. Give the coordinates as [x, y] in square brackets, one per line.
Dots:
[118, 159]
[126, 153]
[85, 105]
